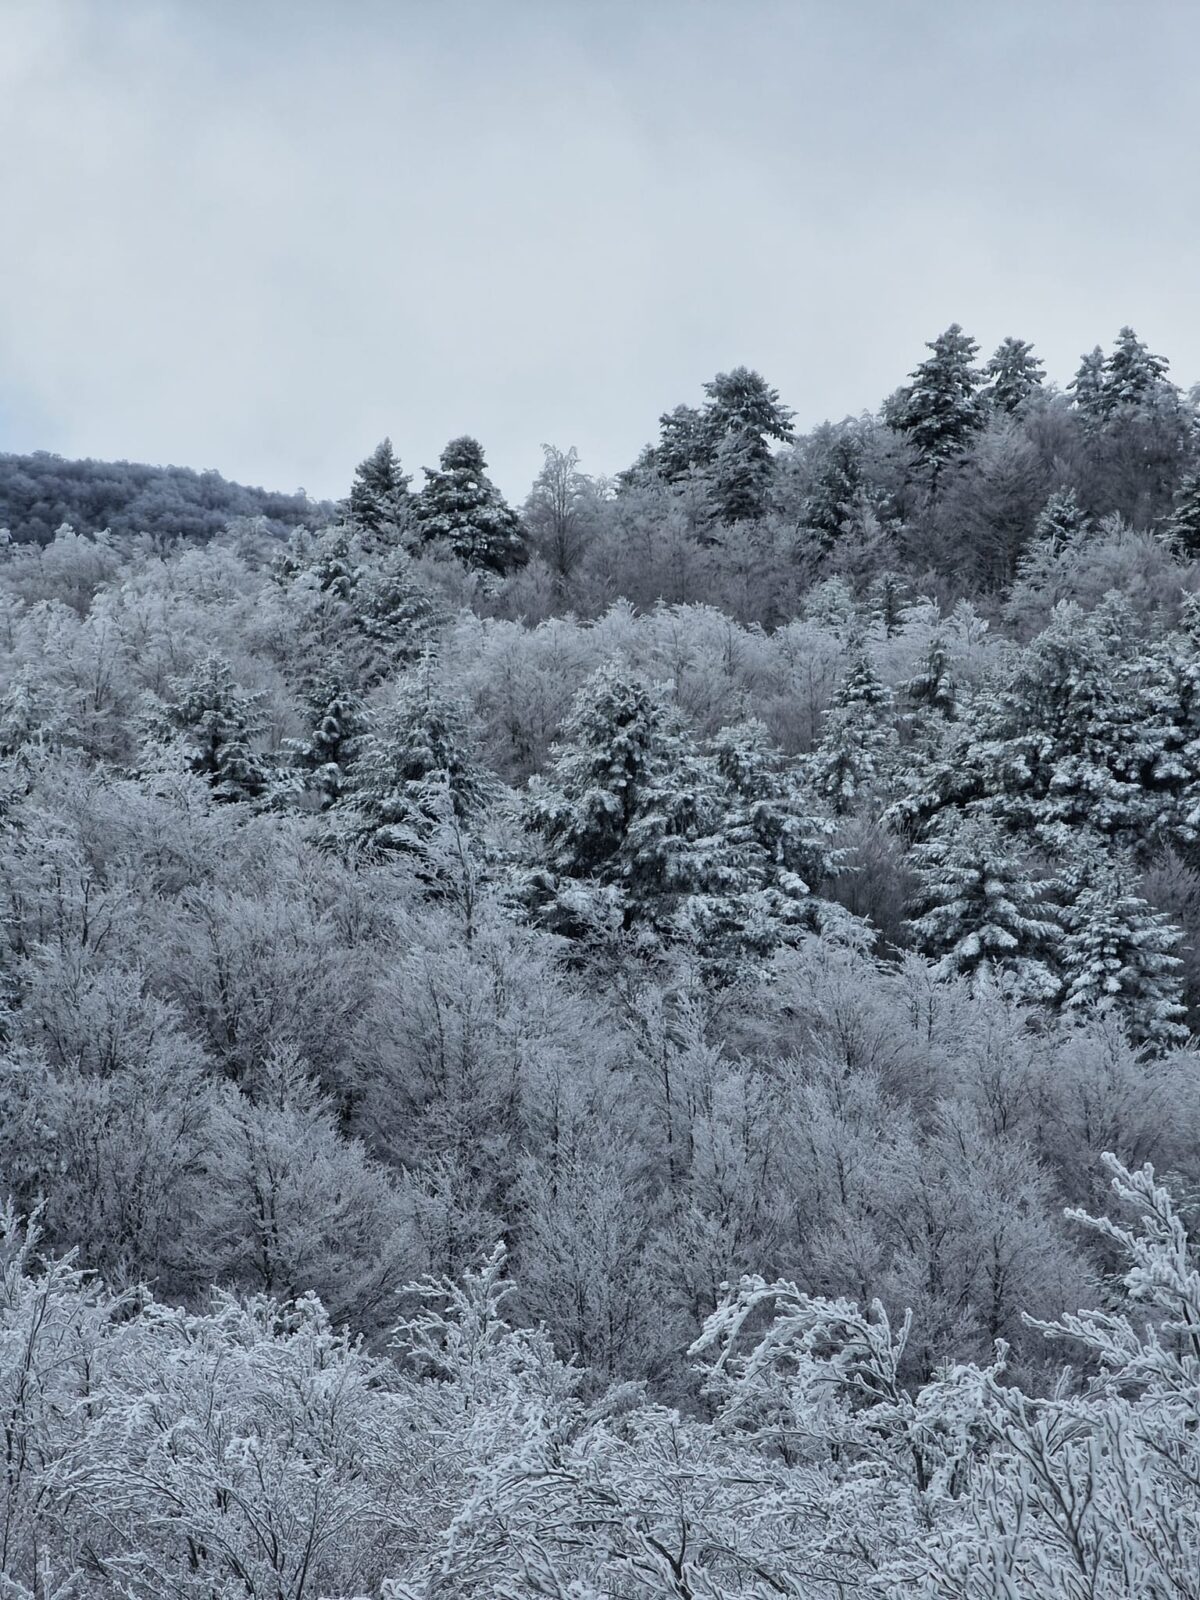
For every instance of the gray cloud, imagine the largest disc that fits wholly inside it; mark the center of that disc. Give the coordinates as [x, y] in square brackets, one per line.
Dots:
[258, 237]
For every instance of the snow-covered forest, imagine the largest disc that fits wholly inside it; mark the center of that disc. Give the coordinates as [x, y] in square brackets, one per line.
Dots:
[635, 1044]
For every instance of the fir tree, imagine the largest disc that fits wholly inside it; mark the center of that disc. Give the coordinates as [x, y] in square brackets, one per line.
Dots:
[336, 721]
[830, 501]
[742, 417]
[978, 911]
[858, 739]
[379, 499]
[1117, 950]
[788, 841]
[1012, 375]
[630, 808]
[887, 601]
[1061, 520]
[462, 507]
[1088, 387]
[684, 444]
[414, 762]
[1132, 375]
[1184, 526]
[932, 686]
[940, 410]
[215, 721]
[395, 611]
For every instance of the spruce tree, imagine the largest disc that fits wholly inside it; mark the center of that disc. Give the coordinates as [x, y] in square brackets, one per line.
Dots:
[858, 739]
[786, 839]
[379, 499]
[215, 721]
[413, 761]
[940, 411]
[977, 911]
[395, 612]
[932, 686]
[743, 415]
[1184, 526]
[1088, 387]
[1012, 375]
[1118, 951]
[630, 815]
[684, 444]
[335, 724]
[836, 486]
[1132, 375]
[460, 506]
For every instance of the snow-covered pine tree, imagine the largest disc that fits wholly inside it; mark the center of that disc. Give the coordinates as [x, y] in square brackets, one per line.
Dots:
[379, 501]
[1132, 374]
[887, 599]
[1061, 733]
[1184, 526]
[461, 507]
[939, 410]
[1012, 375]
[630, 817]
[336, 720]
[684, 444]
[215, 721]
[413, 759]
[858, 738]
[932, 686]
[836, 484]
[978, 911]
[1117, 950]
[1087, 387]
[395, 611]
[789, 841]
[742, 416]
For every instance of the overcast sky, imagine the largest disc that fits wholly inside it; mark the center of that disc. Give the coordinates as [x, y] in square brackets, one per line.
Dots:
[259, 236]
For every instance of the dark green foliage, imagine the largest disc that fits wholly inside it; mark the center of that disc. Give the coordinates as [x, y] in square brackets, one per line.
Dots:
[379, 498]
[39, 492]
[414, 765]
[336, 720]
[215, 722]
[460, 507]
[1184, 526]
[940, 409]
[1012, 375]
[1088, 386]
[742, 417]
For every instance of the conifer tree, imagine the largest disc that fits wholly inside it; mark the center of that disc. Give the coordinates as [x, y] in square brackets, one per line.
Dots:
[1117, 950]
[461, 506]
[858, 739]
[1012, 374]
[940, 409]
[932, 686]
[768, 811]
[1061, 519]
[684, 443]
[830, 501]
[1088, 387]
[630, 808]
[379, 498]
[1132, 374]
[1184, 526]
[742, 416]
[978, 911]
[413, 760]
[395, 611]
[336, 721]
[215, 721]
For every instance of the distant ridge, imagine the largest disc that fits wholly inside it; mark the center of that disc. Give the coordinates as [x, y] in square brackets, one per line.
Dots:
[39, 492]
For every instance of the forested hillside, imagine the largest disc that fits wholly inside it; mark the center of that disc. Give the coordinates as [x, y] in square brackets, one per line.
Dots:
[41, 492]
[576, 1044]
